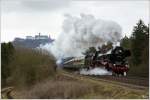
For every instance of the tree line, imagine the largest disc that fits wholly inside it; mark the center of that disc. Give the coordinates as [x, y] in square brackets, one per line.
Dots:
[7, 52]
[138, 43]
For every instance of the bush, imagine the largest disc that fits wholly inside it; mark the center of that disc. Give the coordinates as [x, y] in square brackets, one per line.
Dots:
[7, 52]
[30, 66]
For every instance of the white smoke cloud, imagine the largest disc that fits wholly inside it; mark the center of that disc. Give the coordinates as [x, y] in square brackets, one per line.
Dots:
[95, 71]
[82, 32]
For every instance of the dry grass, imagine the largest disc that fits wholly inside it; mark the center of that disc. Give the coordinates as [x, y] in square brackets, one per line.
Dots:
[63, 87]
[59, 89]
[30, 67]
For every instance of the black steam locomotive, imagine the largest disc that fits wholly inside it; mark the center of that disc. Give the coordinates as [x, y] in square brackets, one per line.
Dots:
[116, 61]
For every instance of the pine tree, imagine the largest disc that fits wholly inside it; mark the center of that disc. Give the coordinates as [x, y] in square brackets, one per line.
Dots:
[125, 42]
[138, 42]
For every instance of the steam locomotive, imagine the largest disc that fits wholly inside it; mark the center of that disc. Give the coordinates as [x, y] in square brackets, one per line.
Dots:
[115, 61]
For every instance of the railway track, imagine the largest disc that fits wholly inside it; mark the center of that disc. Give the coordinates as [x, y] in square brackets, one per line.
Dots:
[121, 82]
[130, 82]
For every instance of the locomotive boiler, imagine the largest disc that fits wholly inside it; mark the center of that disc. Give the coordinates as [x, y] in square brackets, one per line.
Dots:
[115, 61]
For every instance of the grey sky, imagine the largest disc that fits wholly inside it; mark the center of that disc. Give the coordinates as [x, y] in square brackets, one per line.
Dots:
[33, 5]
[28, 17]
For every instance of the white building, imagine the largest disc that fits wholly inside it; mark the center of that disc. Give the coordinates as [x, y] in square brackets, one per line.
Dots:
[30, 37]
[37, 37]
[41, 36]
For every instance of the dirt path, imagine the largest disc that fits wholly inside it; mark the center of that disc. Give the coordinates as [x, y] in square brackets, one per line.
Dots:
[6, 93]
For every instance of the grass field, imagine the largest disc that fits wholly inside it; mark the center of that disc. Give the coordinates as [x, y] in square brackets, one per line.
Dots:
[64, 86]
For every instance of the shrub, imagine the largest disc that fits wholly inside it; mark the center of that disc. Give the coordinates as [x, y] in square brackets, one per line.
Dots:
[30, 66]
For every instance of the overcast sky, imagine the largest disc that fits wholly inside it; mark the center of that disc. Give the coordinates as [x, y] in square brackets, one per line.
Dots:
[29, 17]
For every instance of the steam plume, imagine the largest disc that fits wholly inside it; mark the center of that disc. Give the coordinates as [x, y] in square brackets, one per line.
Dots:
[82, 32]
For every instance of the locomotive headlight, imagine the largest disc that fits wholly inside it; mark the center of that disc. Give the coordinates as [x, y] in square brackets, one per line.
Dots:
[127, 66]
[114, 64]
